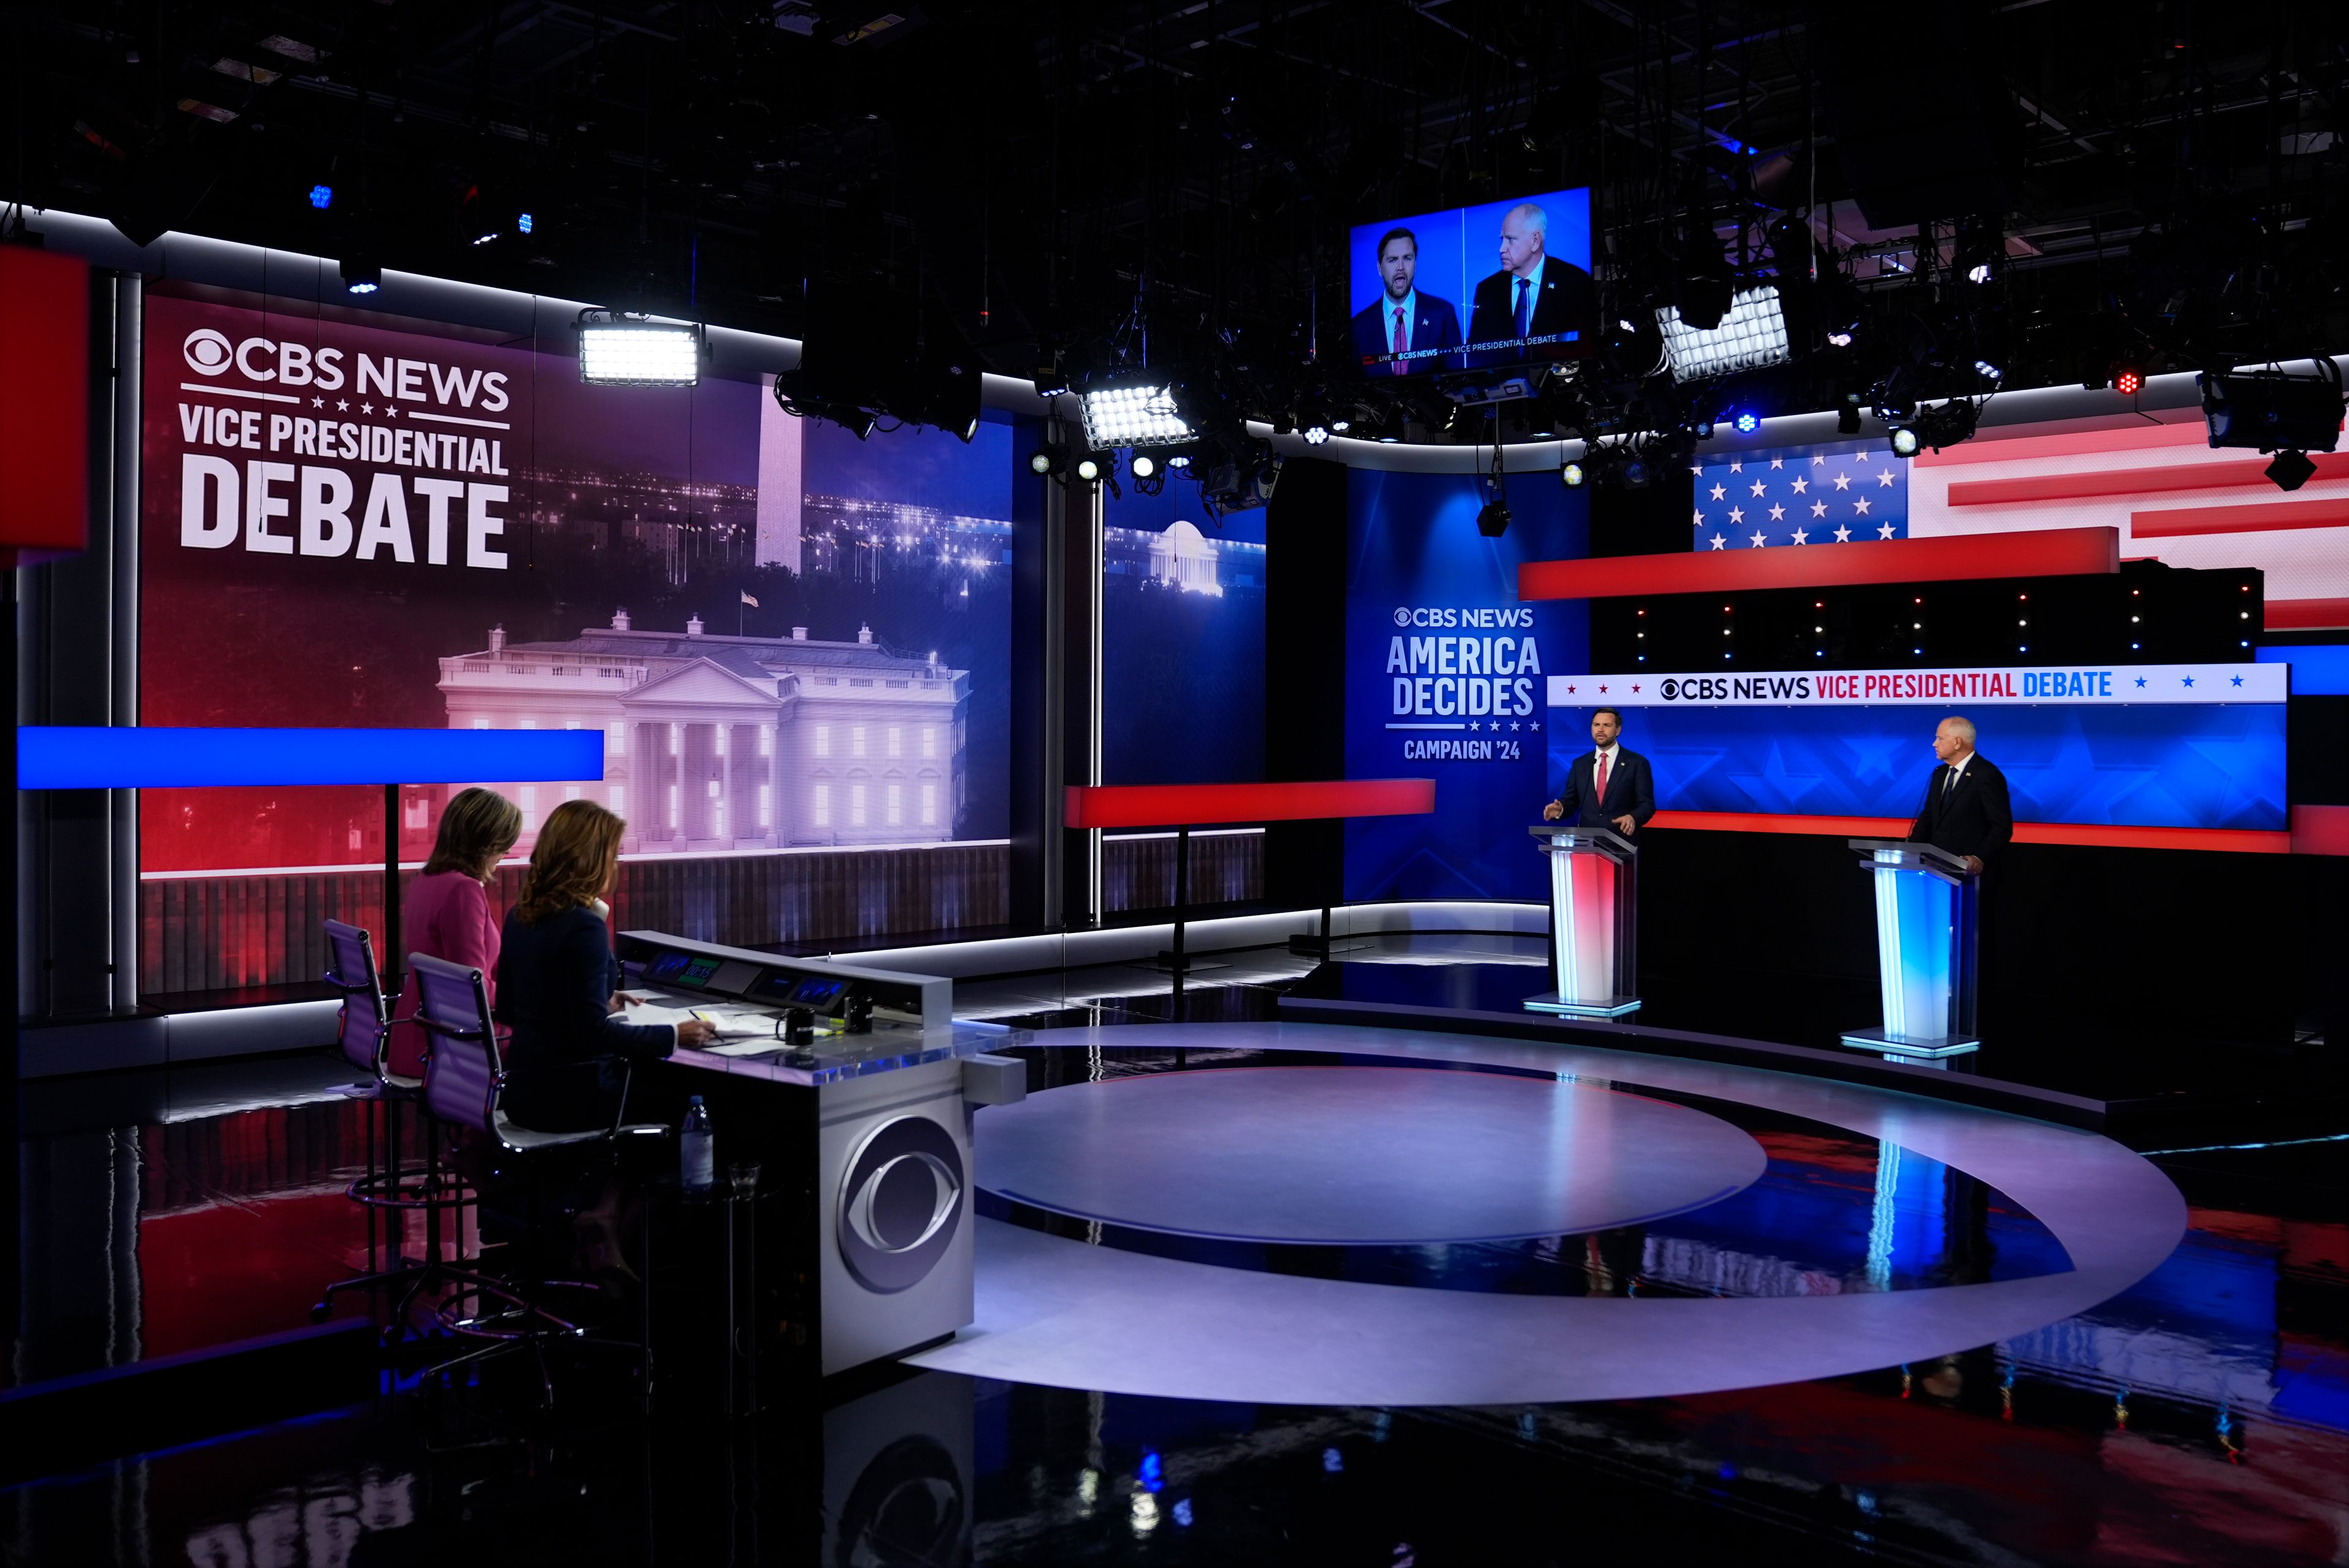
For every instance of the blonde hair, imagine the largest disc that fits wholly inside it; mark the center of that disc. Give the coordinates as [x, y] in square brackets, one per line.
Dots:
[477, 829]
[573, 864]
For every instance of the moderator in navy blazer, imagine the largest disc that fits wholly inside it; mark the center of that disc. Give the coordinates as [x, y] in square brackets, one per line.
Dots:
[555, 980]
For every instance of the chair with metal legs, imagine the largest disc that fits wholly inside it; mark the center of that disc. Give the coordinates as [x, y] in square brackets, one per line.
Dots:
[464, 1085]
[390, 1190]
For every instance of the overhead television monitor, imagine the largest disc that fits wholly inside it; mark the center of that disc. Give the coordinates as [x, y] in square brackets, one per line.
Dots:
[1500, 283]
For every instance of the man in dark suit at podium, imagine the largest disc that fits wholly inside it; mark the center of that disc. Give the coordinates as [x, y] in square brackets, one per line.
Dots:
[1609, 786]
[1966, 810]
[1534, 294]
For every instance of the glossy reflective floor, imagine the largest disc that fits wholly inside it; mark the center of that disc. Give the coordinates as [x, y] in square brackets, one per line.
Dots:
[2200, 1415]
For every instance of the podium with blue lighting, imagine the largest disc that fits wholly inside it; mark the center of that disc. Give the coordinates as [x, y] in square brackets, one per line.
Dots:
[1593, 891]
[1926, 909]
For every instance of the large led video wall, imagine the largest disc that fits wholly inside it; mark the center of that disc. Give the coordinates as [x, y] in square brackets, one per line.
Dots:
[786, 637]
[1182, 668]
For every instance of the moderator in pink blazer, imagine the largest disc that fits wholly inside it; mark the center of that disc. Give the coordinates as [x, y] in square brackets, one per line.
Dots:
[445, 916]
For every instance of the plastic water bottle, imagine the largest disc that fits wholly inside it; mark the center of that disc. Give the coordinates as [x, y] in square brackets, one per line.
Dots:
[697, 1150]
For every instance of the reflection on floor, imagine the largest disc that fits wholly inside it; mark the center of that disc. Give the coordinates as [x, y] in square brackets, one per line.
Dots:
[2202, 1416]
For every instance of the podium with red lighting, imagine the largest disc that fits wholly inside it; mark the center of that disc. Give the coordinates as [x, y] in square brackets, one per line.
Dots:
[1185, 806]
[1594, 880]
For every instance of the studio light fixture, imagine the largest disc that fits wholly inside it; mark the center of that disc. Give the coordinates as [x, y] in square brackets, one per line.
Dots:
[1847, 419]
[1492, 519]
[360, 277]
[2273, 411]
[617, 350]
[2291, 470]
[1571, 475]
[1144, 465]
[1131, 414]
[2128, 380]
[1317, 436]
[322, 197]
[1747, 421]
[1906, 442]
[1751, 334]
[1047, 461]
[1089, 469]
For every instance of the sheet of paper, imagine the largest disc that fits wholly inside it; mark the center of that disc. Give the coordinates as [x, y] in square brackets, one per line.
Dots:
[746, 1048]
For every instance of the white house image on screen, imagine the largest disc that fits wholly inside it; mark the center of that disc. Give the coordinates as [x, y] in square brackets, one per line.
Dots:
[732, 743]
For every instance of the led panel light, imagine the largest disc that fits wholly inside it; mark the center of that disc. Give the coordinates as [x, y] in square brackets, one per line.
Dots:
[1133, 416]
[1752, 334]
[638, 354]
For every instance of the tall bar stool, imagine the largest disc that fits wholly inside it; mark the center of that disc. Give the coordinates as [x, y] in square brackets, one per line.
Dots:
[464, 1085]
[391, 1189]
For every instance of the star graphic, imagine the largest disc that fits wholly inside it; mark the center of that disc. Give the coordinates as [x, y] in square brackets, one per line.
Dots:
[1801, 537]
[343, 405]
[1777, 463]
[1602, 691]
[2141, 680]
[1843, 481]
[1800, 485]
[1697, 469]
[1885, 479]
[1819, 461]
[1860, 506]
[1777, 512]
[1759, 487]
[1843, 535]
[1819, 508]
[1473, 724]
[317, 402]
[2188, 679]
[1533, 724]
[1736, 468]
[1513, 724]
[1700, 519]
[367, 407]
[390, 412]
[1885, 532]
[1738, 515]
[1572, 689]
[1635, 686]
[2237, 680]
[1716, 540]
[1760, 540]
[1718, 493]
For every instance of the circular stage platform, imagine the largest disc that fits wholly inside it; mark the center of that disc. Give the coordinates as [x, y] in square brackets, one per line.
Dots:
[1359, 1156]
[1058, 1311]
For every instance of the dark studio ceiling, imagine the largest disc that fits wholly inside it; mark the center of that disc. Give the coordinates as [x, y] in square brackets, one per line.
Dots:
[2158, 181]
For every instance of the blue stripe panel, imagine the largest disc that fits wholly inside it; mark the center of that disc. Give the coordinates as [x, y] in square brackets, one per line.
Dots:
[2320, 670]
[103, 758]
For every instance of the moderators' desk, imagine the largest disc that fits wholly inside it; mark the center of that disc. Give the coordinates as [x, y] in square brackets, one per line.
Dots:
[858, 1235]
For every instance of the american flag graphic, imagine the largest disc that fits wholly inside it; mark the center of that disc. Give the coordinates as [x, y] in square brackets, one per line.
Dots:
[2156, 479]
[1755, 501]
[2173, 498]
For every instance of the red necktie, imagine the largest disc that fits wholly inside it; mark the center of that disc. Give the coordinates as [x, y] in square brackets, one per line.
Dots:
[1401, 342]
[1601, 783]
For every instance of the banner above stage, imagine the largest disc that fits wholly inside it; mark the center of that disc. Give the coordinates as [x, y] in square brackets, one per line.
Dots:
[2151, 745]
[2104, 685]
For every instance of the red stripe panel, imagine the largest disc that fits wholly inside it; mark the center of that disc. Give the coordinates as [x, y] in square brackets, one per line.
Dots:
[2037, 553]
[2130, 438]
[2320, 830]
[2130, 481]
[43, 403]
[2251, 517]
[1173, 805]
[2238, 840]
[2307, 615]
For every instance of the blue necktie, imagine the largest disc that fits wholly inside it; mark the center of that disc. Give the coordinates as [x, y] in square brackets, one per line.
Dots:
[1525, 317]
